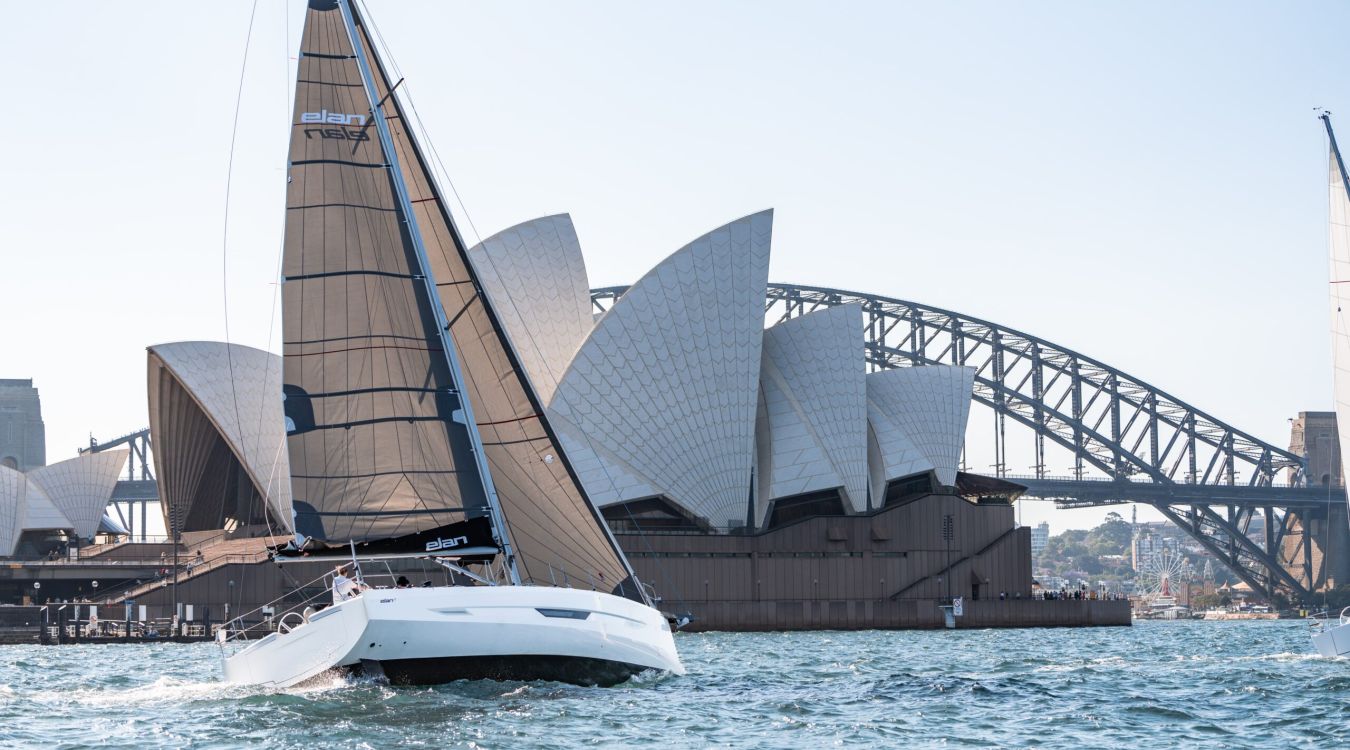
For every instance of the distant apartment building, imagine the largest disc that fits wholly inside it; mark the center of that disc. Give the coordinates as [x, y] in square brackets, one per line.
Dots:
[1054, 583]
[1040, 536]
[1148, 545]
[23, 439]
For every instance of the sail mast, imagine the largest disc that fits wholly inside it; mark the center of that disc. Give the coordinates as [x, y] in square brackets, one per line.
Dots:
[500, 531]
[1325, 117]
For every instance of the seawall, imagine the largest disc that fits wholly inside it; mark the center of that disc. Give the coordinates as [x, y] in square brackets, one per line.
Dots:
[901, 614]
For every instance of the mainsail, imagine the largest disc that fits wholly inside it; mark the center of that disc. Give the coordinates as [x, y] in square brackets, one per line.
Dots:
[381, 445]
[1339, 189]
[368, 396]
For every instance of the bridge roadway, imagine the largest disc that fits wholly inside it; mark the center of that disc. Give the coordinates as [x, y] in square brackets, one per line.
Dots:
[1068, 492]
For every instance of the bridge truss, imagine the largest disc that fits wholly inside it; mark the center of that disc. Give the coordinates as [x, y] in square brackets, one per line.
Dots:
[1147, 445]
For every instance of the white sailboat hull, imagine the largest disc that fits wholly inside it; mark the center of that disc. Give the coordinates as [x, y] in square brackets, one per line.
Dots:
[439, 634]
[1333, 640]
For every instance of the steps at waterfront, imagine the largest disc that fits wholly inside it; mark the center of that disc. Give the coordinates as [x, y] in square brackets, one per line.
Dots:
[200, 561]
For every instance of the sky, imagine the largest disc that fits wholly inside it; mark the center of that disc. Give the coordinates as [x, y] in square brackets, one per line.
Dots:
[1143, 183]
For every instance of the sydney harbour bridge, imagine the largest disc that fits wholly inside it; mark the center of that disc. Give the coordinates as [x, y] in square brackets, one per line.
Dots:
[1127, 441]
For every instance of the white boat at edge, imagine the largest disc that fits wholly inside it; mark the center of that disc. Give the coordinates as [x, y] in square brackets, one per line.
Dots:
[1333, 640]
[436, 634]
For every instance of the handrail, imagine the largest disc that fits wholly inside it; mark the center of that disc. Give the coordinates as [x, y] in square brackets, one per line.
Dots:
[237, 628]
[193, 570]
[233, 632]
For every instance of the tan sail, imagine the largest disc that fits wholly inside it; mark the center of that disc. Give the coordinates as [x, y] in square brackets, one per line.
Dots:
[367, 387]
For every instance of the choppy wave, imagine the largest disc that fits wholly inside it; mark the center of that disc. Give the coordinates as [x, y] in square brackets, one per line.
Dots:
[1191, 684]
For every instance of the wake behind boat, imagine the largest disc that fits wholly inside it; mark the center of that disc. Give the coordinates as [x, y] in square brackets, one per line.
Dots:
[413, 431]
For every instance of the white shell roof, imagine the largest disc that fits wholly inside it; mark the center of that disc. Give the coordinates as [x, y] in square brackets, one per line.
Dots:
[918, 415]
[80, 488]
[239, 389]
[535, 278]
[897, 455]
[40, 512]
[12, 491]
[606, 479]
[676, 360]
[815, 392]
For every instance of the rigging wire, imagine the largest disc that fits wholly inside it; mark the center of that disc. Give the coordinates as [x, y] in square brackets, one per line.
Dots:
[225, 238]
[225, 231]
[288, 97]
[442, 174]
[272, 481]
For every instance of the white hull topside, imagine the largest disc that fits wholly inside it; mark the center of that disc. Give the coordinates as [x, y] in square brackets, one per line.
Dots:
[1333, 640]
[438, 634]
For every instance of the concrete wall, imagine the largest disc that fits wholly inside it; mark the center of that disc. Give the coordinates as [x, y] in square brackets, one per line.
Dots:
[883, 570]
[903, 614]
[887, 570]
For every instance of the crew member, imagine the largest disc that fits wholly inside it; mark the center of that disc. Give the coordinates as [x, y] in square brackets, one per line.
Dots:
[343, 587]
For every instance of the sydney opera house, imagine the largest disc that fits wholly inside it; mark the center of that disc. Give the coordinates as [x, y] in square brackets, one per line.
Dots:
[757, 477]
[49, 508]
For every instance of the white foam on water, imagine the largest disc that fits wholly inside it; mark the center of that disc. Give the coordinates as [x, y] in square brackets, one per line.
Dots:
[648, 677]
[332, 679]
[165, 690]
[1285, 657]
[1059, 668]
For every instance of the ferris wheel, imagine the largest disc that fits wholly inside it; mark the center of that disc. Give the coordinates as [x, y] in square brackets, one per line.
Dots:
[1160, 575]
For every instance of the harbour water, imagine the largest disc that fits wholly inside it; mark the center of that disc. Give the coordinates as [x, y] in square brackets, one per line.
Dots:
[1162, 684]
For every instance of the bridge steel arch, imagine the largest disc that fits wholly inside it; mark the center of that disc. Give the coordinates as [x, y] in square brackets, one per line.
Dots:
[1148, 445]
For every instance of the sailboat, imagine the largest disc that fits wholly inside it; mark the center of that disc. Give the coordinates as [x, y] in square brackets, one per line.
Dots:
[1332, 638]
[413, 431]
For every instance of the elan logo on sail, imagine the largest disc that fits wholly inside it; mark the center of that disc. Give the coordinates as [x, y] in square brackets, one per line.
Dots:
[451, 543]
[332, 118]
